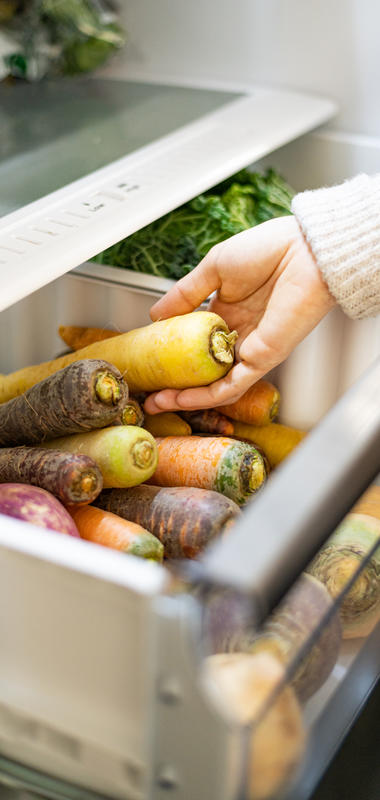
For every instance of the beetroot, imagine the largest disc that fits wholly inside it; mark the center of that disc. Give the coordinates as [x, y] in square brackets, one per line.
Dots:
[37, 506]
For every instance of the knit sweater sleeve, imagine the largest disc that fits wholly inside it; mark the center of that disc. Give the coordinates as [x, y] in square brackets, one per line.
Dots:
[342, 227]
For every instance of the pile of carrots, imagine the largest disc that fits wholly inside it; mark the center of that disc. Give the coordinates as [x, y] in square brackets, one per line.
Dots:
[164, 486]
[153, 486]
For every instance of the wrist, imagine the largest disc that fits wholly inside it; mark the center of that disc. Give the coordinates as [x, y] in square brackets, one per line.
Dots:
[341, 225]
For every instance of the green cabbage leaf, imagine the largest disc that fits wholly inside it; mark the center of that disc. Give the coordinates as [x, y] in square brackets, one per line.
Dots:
[173, 245]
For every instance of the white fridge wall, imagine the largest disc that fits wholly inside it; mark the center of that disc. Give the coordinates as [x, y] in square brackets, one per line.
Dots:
[323, 46]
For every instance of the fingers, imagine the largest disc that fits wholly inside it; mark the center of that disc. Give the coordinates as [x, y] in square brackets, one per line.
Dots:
[237, 267]
[297, 304]
[189, 292]
[226, 390]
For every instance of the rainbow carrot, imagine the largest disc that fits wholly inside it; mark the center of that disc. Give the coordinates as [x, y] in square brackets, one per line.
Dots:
[71, 478]
[209, 421]
[132, 414]
[166, 424]
[276, 440]
[258, 406]
[235, 469]
[107, 529]
[76, 336]
[84, 395]
[126, 455]
[190, 350]
[185, 519]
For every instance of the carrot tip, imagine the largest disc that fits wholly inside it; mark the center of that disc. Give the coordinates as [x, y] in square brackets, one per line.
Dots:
[107, 389]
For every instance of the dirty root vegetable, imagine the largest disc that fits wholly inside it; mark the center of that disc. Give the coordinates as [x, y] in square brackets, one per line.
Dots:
[235, 469]
[87, 394]
[37, 506]
[249, 689]
[109, 530]
[307, 610]
[72, 478]
[336, 564]
[76, 336]
[209, 421]
[184, 519]
[276, 440]
[258, 406]
[132, 414]
[166, 424]
[192, 350]
[126, 455]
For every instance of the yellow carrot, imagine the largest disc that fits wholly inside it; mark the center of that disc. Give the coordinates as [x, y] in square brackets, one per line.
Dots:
[166, 424]
[276, 440]
[191, 350]
[76, 336]
[126, 455]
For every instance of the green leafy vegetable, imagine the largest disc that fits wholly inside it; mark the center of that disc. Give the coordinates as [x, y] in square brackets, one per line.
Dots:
[173, 245]
[57, 37]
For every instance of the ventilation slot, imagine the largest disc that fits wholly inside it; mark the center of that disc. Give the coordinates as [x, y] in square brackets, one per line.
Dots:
[75, 214]
[28, 241]
[12, 250]
[63, 224]
[46, 232]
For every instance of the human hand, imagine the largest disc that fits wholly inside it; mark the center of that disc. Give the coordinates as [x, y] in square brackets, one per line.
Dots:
[267, 287]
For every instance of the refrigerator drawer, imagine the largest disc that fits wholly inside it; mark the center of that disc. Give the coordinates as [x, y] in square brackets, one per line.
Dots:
[102, 690]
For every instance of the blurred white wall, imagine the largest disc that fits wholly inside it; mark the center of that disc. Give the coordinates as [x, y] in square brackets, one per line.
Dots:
[329, 47]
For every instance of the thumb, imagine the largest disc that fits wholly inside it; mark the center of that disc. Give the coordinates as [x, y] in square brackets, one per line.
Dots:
[190, 291]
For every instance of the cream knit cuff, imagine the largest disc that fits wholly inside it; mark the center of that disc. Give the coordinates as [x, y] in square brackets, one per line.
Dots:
[342, 227]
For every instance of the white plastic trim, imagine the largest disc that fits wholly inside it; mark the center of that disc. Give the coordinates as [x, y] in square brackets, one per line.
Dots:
[138, 575]
[50, 236]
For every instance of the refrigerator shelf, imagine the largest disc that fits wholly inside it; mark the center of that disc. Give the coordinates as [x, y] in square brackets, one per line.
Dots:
[81, 216]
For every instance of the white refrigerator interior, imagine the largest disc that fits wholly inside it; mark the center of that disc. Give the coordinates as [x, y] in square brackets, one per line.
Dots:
[100, 680]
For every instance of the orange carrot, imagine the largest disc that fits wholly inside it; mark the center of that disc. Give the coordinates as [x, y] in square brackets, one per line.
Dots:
[258, 406]
[76, 336]
[109, 530]
[184, 518]
[235, 469]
